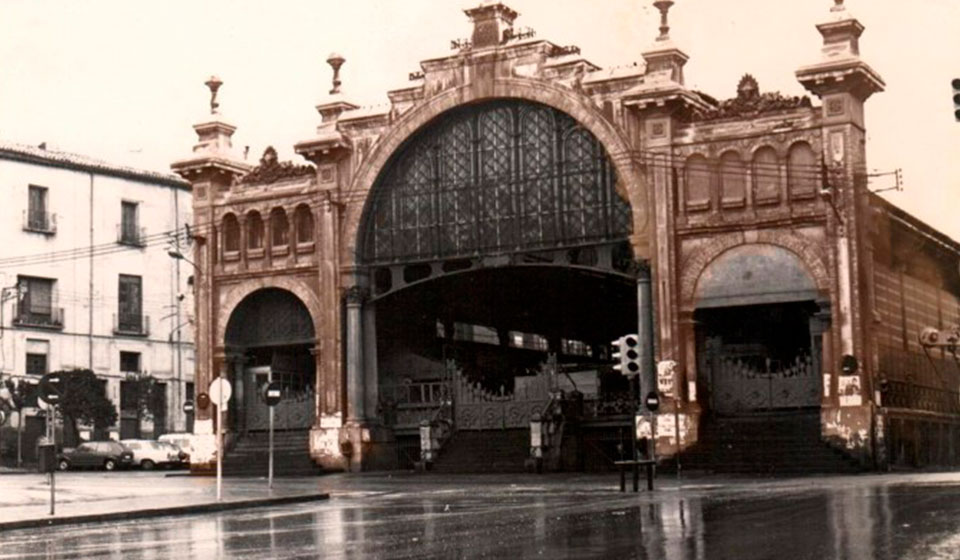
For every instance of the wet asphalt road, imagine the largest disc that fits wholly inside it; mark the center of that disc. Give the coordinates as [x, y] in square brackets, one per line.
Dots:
[902, 517]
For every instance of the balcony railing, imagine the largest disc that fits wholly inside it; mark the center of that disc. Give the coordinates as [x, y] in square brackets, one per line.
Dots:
[131, 325]
[48, 318]
[40, 222]
[131, 235]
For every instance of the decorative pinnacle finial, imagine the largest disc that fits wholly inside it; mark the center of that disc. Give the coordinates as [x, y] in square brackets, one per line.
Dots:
[664, 7]
[335, 61]
[214, 84]
[837, 6]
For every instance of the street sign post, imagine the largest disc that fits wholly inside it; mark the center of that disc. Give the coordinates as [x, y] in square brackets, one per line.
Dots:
[272, 394]
[220, 392]
[51, 389]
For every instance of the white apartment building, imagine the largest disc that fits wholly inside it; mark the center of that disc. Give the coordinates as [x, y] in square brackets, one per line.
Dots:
[87, 280]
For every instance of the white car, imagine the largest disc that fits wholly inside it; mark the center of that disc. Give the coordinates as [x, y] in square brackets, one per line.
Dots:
[148, 453]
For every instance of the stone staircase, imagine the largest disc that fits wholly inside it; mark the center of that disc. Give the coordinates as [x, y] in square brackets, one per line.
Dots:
[491, 451]
[250, 455]
[784, 444]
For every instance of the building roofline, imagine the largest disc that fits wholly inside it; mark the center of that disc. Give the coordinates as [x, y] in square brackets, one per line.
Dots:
[910, 221]
[78, 162]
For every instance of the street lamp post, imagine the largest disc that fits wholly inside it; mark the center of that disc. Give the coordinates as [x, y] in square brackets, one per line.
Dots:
[177, 256]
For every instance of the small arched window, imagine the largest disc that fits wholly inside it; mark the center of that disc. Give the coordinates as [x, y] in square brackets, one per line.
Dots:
[279, 228]
[231, 234]
[254, 230]
[803, 173]
[303, 217]
[766, 176]
[733, 180]
[699, 183]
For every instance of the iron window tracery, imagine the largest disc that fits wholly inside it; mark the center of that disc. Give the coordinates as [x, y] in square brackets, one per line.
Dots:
[501, 177]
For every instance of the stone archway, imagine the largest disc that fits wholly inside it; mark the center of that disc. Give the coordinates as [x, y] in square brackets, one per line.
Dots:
[270, 337]
[759, 332]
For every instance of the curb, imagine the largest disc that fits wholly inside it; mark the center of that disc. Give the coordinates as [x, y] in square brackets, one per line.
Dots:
[161, 512]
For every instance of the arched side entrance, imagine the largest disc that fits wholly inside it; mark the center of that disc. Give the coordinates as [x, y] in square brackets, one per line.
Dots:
[758, 339]
[269, 337]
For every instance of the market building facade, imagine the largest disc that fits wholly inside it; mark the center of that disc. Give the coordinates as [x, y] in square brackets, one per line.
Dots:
[441, 284]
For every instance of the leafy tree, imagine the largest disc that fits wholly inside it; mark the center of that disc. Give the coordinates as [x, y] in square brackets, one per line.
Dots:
[83, 400]
[143, 393]
[15, 395]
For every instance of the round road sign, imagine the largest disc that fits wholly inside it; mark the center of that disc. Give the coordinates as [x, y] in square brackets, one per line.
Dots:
[272, 393]
[203, 401]
[188, 407]
[51, 386]
[653, 401]
[220, 392]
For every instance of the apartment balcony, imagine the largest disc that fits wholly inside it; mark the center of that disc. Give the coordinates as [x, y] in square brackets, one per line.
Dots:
[131, 325]
[39, 222]
[43, 318]
[132, 236]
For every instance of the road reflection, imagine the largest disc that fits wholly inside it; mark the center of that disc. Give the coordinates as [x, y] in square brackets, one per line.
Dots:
[857, 523]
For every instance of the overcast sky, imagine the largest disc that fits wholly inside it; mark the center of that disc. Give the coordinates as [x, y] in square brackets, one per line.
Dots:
[123, 80]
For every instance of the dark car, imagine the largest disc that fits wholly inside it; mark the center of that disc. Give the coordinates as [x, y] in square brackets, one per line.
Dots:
[108, 455]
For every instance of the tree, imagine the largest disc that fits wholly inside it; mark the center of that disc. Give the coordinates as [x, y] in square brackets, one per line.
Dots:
[142, 393]
[15, 395]
[84, 400]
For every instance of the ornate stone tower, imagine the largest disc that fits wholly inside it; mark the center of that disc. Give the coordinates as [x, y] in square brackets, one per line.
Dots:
[212, 168]
[843, 82]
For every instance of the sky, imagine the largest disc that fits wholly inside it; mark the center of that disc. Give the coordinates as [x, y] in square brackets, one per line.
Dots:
[122, 80]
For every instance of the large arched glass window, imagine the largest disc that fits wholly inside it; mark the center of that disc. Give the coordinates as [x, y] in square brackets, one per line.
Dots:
[766, 176]
[699, 175]
[254, 230]
[279, 228]
[501, 177]
[231, 234]
[733, 180]
[803, 172]
[303, 218]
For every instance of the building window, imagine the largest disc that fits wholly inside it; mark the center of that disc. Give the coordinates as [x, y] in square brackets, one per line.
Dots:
[130, 362]
[130, 319]
[35, 306]
[304, 221]
[700, 181]
[37, 352]
[803, 171]
[733, 180]
[130, 232]
[766, 176]
[279, 227]
[36, 218]
[231, 234]
[254, 231]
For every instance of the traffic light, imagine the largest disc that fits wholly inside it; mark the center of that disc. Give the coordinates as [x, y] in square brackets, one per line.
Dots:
[626, 352]
[956, 98]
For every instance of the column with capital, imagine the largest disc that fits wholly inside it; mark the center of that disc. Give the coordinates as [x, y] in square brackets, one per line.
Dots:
[355, 297]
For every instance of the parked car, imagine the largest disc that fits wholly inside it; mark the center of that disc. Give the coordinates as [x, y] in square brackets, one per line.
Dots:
[183, 440]
[148, 453]
[108, 455]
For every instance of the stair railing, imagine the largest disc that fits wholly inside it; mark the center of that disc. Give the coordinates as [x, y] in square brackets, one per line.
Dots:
[546, 434]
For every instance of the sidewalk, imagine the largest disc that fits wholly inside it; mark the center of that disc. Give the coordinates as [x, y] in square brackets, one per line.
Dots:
[84, 497]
